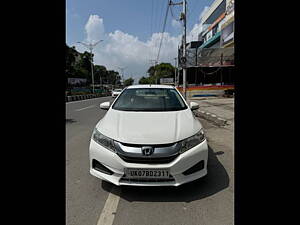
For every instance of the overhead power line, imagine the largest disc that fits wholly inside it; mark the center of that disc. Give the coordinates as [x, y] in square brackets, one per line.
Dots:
[163, 31]
[172, 14]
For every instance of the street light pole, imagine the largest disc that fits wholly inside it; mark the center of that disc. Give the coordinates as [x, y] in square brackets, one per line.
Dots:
[92, 70]
[175, 78]
[122, 72]
[90, 46]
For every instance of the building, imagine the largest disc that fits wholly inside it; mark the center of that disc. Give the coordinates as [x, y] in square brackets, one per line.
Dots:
[210, 60]
[227, 27]
[211, 25]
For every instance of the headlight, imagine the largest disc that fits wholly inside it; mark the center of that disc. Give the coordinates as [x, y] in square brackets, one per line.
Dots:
[103, 140]
[192, 141]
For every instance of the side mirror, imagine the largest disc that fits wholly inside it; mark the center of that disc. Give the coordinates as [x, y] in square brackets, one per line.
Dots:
[105, 105]
[194, 105]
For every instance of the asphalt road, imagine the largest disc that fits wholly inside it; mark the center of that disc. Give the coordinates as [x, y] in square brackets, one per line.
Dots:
[208, 201]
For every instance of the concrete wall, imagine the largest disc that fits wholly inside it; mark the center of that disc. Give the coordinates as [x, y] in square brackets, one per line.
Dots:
[83, 97]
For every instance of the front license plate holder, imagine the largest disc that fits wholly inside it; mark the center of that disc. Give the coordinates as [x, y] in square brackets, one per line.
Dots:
[147, 173]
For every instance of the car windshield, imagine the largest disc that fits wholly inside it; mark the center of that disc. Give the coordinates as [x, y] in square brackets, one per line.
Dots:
[149, 99]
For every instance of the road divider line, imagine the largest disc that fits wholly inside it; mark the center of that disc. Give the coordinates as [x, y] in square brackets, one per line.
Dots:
[78, 101]
[110, 208]
[91, 106]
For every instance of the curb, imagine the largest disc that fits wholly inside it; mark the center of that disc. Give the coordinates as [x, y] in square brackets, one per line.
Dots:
[211, 117]
[83, 97]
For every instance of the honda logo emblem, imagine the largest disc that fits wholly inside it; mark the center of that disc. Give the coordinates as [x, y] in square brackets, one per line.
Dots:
[147, 150]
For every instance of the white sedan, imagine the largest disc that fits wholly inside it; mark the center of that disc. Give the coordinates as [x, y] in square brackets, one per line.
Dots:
[116, 92]
[149, 137]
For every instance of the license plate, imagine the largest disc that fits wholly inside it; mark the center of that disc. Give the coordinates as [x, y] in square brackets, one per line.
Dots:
[147, 173]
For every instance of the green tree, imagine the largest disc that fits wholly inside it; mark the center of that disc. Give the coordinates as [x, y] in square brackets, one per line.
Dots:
[78, 65]
[162, 70]
[128, 82]
[147, 80]
[144, 80]
[100, 71]
[113, 77]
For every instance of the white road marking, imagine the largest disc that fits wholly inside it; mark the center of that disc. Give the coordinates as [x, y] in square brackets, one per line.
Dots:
[91, 106]
[86, 100]
[110, 208]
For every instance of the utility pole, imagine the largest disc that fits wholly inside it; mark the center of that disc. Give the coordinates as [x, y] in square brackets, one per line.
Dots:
[122, 72]
[183, 59]
[184, 47]
[175, 80]
[90, 46]
[154, 63]
[100, 81]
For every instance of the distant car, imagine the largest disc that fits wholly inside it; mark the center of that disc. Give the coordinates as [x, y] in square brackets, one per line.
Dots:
[149, 137]
[116, 92]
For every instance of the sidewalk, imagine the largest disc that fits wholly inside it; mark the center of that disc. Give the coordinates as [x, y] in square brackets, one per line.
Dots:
[216, 109]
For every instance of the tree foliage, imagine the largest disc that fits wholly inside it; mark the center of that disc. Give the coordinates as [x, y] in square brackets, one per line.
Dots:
[147, 80]
[162, 70]
[128, 82]
[78, 65]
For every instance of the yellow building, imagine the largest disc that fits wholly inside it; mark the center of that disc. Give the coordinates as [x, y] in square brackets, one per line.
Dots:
[227, 28]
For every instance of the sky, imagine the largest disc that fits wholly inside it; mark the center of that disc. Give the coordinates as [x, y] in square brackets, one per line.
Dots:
[131, 31]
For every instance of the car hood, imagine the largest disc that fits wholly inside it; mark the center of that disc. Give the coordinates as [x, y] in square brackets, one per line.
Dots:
[148, 127]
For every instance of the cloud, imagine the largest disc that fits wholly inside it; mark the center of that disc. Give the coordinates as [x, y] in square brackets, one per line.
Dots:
[94, 28]
[197, 28]
[120, 49]
[176, 24]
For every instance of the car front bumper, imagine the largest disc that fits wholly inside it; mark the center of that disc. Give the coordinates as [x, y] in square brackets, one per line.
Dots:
[182, 163]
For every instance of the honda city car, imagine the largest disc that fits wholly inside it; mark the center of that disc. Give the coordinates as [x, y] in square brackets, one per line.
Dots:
[149, 136]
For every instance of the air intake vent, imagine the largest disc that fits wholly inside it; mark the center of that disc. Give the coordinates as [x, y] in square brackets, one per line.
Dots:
[98, 166]
[199, 166]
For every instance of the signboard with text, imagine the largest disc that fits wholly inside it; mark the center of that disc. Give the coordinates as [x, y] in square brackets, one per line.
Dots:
[166, 80]
[74, 81]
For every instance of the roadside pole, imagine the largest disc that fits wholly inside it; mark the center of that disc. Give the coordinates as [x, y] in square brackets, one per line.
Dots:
[175, 80]
[90, 46]
[184, 48]
[183, 58]
[92, 70]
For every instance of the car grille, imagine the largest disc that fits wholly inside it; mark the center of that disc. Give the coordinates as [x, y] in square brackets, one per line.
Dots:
[148, 160]
[155, 145]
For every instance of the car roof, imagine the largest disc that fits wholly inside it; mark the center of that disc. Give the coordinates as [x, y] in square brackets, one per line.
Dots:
[150, 86]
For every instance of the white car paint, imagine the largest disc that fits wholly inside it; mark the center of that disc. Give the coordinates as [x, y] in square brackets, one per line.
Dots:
[116, 92]
[149, 128]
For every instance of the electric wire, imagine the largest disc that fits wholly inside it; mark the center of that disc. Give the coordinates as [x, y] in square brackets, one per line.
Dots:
[163, 31]
[151, 25]
[172, 14]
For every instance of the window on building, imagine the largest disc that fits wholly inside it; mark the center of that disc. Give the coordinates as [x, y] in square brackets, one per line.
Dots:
[216, 13]
[215, 30]
[227, 33]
